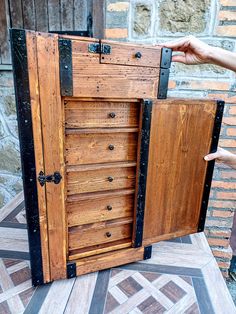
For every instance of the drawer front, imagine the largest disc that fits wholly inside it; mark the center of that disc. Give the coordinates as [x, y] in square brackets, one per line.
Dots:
[83, 236]
[85, 114]
[92, 148]
[100, 209]
[127, 54]
[100, 180]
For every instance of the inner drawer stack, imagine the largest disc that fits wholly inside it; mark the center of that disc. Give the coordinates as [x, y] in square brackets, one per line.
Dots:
[101, 139]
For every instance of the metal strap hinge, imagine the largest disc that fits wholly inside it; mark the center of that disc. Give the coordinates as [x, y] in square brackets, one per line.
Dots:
[99, 48]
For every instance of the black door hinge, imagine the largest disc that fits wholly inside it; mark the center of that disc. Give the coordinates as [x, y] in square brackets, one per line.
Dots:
[42, 178]
[99, 48]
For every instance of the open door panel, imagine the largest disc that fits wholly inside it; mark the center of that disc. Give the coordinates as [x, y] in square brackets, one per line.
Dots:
[178, 178]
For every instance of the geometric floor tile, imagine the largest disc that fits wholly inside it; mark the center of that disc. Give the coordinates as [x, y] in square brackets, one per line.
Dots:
[182, 277]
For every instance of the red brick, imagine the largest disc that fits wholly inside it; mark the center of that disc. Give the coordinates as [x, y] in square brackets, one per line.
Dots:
[231, 131]
[222, 213]
[227, 98]
[218, 242]
[232, 110]
[226, 30]
[227, 3]
[222, 204]
[227, 143]
[223, 264]
[222, 254]
[228, 174]
[220, 233]
[227, 15]
[205, 85]
[229, 120]
[116, 32]
[226, 195]
[224, 185]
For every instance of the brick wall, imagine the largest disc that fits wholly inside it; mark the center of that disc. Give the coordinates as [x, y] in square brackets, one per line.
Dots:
[213, 21]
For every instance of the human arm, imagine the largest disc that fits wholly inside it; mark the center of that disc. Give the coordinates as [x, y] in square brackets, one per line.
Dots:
[223, 156]
[194, 51]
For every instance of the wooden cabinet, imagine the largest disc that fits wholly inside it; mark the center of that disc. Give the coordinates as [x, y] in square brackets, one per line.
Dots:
[109, 165]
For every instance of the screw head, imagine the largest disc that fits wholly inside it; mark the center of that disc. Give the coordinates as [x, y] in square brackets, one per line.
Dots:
[111, 147]
[109, 207]
[110, 179]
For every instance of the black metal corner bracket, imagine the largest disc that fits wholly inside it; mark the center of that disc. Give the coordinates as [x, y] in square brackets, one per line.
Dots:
[147, 252]
[210, 166]
[25, 129]
[71, 270]
[65, 64]
[143, 167]
[166, 55]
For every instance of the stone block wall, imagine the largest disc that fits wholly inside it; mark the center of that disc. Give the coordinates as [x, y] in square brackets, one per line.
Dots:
[213, 21]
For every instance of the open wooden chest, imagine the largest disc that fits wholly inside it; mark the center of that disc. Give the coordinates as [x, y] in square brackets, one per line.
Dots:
[109, 165]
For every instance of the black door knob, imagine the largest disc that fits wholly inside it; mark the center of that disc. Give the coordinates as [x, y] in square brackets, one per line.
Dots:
[109, 207]
[112, 114]
[138, 55]
[110, 179]
[111, 147]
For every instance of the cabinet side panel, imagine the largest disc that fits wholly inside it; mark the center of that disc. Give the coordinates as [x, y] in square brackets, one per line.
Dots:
[181, 136]
[38, 147]
[52, 114]
[25, 128]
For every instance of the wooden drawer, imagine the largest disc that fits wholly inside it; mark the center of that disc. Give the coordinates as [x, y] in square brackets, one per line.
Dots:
[106, 146]
[100, 178]
[100, 207]
[92, 114]
[99, 233]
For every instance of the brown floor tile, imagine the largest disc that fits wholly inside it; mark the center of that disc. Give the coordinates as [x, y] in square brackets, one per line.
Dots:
[129, 286]
[4, 308]
[187, 279]
[111, 304]
[20, 276]
[10, 262]
[173, 291]
[193, 309]
[115, 271]
[26, 295]
[151, 306]
[150, 276]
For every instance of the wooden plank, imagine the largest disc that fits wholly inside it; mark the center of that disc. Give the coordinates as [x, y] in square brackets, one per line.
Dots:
[92, 79]
[52, 115]
[38, 146]
[80, 14]
[107, 260]
[4, 34]
[29, 20]
[98, 180]
[100, 148]
[16, 13]
[99, 233]
[41, 12]
[98, 15]
[90, 210]
[181, 133]
[79, 114]
[98, 166]
[67, 15]
[54, 21]
[128, 54]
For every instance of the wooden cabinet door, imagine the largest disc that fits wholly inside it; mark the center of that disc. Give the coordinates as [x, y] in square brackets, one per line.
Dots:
[173, 199]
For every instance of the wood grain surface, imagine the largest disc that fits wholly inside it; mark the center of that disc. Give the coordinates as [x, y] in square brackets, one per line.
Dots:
[104, 208]
[98, 180]
[125, 54]
[97, 114]
[181, 132]
[52, 115]
[38, 147]
[89, 148]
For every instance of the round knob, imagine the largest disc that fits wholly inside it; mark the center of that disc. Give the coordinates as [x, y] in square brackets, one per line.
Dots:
[108, 234]
[111, 147]
[138, 55]
[109, 207]
[110, 179]
[112, 115]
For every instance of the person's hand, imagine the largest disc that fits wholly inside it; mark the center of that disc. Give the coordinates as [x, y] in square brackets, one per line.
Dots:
[194, 51]
[222, 156]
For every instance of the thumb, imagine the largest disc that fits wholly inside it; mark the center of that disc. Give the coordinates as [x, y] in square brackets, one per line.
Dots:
[211, 156]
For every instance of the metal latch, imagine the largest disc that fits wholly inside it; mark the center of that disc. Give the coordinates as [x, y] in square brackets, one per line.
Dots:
[99, 48]
[56, 178]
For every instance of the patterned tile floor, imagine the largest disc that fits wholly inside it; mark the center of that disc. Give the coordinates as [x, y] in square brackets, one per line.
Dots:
[181, 277]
